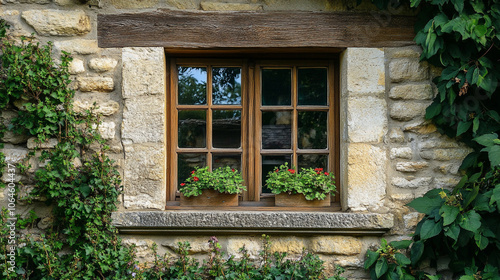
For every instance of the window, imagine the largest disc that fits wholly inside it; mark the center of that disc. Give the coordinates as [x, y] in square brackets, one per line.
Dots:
[253, 116]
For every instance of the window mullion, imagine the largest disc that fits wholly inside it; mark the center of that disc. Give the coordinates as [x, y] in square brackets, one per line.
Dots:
[209, 117]
[294, 118]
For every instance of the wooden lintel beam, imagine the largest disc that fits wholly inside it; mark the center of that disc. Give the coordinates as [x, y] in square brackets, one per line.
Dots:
[247, 30]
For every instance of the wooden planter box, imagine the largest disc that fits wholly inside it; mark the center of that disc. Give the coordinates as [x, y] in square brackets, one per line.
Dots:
[210, 198]
[299, 200]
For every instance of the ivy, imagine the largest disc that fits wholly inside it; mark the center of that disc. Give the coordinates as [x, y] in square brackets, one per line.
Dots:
[463, 39]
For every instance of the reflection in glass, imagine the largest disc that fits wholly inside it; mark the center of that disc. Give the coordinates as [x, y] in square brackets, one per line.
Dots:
[277, 130]
[226, 85]
[312, 129]
[186, 163]
[312, 161]
[226, 128]
[231, 160]
[192, 85]
[312, 86]
[192, 129]
[276, 86]
[270, 163]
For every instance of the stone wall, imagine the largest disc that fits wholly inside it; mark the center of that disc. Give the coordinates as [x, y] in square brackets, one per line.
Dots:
[389, 153]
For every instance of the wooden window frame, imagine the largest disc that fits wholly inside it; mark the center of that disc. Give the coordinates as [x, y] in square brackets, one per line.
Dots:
[251, 124]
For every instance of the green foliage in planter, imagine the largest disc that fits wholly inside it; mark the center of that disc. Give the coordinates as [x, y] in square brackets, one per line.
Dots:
[312, 183]
[461, 226]
[222, 179]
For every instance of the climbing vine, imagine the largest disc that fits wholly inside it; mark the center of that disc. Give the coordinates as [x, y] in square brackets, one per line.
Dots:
[460, 227]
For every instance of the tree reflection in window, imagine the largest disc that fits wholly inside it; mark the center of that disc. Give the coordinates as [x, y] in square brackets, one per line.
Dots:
[226, 85]
[192, 85]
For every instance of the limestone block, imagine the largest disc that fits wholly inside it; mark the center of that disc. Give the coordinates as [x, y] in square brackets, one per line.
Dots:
[403, 152]
[143, 71]
[420, 126]
[349, 261]
[133, 4]
[106, 108]
[198, 244]
[291, 245]
[49, 144]
[336, 245]
[406, 111]
[403, 197]
[412, 92]
[183, 4]
[143, 176]
[41, 2]
[441, 142]
[77, 46]
[411, 166]
[58, 23]
[446, 182]
[9, 136]
[101, 84]
[144, 119]
[396, 135]
[76, 66]
[14, 154]
[143, 250]
[366, 119]
[409, 52]
[449, 168]
[107, 130]
[218, 6]
[366, 176]
[421, 182]
[411, 220]
[68, 2]
[103, 64]
[252, 246]
[445, 154]
[365, 71]
[45, 223]
[408, 69]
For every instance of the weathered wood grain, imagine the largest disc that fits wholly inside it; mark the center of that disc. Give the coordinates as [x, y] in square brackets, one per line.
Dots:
[244, 30]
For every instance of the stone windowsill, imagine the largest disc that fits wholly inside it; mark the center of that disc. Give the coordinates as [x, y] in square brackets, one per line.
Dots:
[240, 222]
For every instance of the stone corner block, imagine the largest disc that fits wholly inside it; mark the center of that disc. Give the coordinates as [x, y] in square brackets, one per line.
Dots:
[144, 119]
[363, 71]
[367, 119]
[366, 176]
[143, 71]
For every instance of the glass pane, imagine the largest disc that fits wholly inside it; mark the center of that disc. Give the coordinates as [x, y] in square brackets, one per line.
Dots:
[312, 88]
[276, 86]
[270, 163]
[186, 163]
[277, 130]
[312, 130]
[192, 129]
[226, 128]
[231, 160]
[312, 161]
[192, 85]
[226, 85]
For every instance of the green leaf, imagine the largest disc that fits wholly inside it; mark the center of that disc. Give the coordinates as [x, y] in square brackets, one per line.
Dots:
[85, 190]
[452, 231]
[470, 221]
[486, 139]
[494, 155]
[459, 5]
[475, 124]
[495, 197]
[425, 204]
[481, 241]
[467, 277]
[463, 127]
[433, 277]
[449, 214]
[480, 30]
[416, 252]
[449, 73]
[371, 258]
[433, 110]
[403, 244]
[430, 228]
[402, 259]
[381, 267]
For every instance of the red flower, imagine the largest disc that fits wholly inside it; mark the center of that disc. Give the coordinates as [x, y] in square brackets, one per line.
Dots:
[291, 171]
[326, 173]
[192, 172]
[233, 170]
[276, 171]
[318, 172]
[196, 179]
[183, 184]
